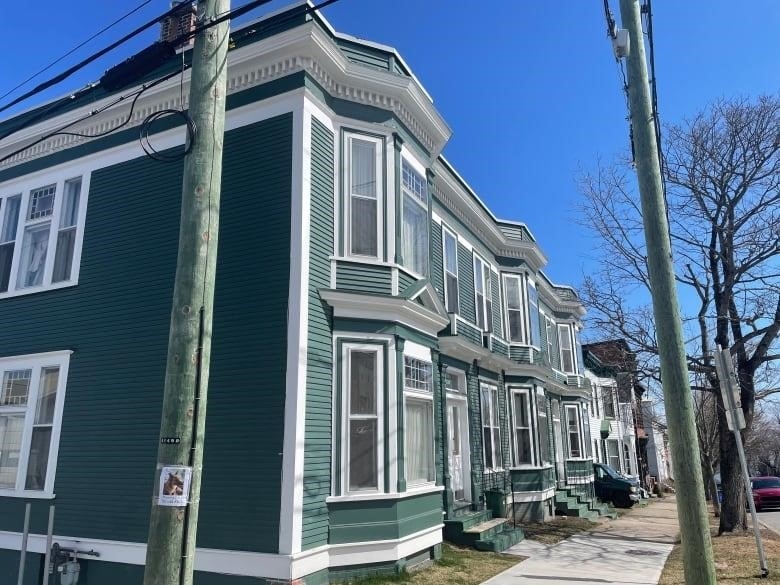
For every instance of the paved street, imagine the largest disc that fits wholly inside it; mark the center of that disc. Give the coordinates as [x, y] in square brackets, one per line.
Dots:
[630, 550]
[771, 519]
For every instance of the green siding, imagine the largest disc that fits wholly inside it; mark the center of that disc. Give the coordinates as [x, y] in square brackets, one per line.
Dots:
[369, 520]
[498, 322]
[368, 278]
[405, 280]
[533, 480]
[116, 322]
[317, 451]
[437, 260]
[364, 55]
[466, 284]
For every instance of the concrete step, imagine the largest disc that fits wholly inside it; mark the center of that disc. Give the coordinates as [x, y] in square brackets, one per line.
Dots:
[463, 529]
[501, 541]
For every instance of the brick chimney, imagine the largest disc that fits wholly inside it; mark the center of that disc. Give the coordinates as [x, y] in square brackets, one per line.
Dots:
[179, 23]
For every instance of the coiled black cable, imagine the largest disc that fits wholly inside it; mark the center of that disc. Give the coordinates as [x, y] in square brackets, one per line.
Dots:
[146, 145]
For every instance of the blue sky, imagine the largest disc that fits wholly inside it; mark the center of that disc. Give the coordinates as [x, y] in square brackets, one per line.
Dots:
[530, 89]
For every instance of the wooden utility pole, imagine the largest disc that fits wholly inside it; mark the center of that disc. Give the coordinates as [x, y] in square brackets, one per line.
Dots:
[170, 552]
[691, 505]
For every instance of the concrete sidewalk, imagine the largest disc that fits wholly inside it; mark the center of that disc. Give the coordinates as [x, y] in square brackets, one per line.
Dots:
[629, 550]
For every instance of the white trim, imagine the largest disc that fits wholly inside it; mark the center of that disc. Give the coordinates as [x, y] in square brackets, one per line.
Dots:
[579, 480]
[291, 508]
[534, 496]
[244, 563]
[415, 350]
[409, 493]
[436, 218]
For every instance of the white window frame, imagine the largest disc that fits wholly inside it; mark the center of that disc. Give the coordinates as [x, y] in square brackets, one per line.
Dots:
[36, 363]
[578, 419]
[487, 417]
[426, 396]
[487, 294]
[524, 326]
[461, 377]
[25, 187]
[618, 455]
[346, 350]
[529, 410]
[445, 233]
[379, 143]
[567, 334]
[406, 193]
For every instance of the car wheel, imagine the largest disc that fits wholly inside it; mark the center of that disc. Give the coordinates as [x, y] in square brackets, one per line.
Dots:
[622, 501]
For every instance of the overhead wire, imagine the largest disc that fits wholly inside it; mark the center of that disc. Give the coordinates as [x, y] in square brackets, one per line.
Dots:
[76, 48]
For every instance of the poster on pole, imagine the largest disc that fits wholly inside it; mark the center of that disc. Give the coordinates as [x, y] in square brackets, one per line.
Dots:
[174, 485]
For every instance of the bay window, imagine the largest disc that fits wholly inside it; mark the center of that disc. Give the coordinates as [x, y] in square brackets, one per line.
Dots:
[32, 392]
[40, 230]
[364, 199]
[521, 420]
[418, 416]
[451, 299]
[491, 430]
[414, 231]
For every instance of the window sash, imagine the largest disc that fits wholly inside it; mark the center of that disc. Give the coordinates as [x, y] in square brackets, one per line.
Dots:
[363, 178]
[567, 352]
[534, 322]
[415, 224]
[491, 431]
[513, 295]
[521, 415]
[418, 439]
[482, 294]
[450, 250]
[613, 454]
[608, 397]
[573, 432]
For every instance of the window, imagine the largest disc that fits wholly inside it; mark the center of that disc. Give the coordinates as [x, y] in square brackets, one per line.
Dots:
[364, 163]
[567, 351]
[364, 372]
[544, 431]
[483, 295]
[39, 233]
[613, 454]
[573, 431]
[608, 396]
[585, 433]
[513, 292]
[550, 329]
[450, 271]
[455, 382]
[491, 432]
[418, 428]
[32, 391]
[521, 417]
[414, 234]
[533, 315]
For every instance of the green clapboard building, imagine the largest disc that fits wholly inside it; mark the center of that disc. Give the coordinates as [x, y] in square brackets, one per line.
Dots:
[390, 367]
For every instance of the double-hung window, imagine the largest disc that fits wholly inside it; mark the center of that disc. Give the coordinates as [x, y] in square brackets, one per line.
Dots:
[613, 454]
[362, 449]
[573, 431]
[513, 292]
[40, 230]
[483, 294]
[418, 427]
[533, 315]
[544, 430]
[491, 430]
[550, 329]
[567, 349]
[32, 392]
[521, 419]
[414, 231]
[364, 195]
[608, 396]
[450, 270]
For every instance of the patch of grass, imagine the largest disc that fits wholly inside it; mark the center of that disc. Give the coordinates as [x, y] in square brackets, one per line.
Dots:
[556, 530]
[736, 558]
[457, 566]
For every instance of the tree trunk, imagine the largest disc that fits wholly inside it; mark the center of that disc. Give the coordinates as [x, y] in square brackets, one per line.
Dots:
[732, 511]
[709, 482]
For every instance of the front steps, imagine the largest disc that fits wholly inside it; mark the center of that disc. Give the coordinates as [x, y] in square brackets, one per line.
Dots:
[570, 503]
[481, 531]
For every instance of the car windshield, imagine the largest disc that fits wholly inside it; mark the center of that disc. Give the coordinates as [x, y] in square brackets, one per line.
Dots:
[610, 472]
[766, 482]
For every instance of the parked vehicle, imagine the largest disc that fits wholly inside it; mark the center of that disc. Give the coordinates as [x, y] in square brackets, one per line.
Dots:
[766, 492]
[612, 486]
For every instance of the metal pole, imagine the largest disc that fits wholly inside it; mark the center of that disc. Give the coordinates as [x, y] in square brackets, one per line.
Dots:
[25, 534]
[752, 504]
[692, 507]
[47, 558]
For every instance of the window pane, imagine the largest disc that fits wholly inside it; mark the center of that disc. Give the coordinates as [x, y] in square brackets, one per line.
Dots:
[494, 407]
[363, 172]
[521, 414]
[452, 293]
[414, 183]
[533, 310]
[479, 276]
[39, 458]
[16, 388]
[33, 258]
[450, 253]
[574, 432]
[41, 202]
[419, 441]
[415, 235]
[488, 439]
[544, 445]
[363, 455]
[6, 256]
[363, 225]
[362, 399]
[47, 396]
[454, 382]
[496, 448]
[11, 427]
[485, 394]
[515, 325]
[417, 374]
[480, 311]
[70, 205]
[523, 437]
[63, 258]
[10, 219]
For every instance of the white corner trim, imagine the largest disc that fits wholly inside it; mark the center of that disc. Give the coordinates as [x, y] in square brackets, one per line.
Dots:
[291, 509]
[409, 493]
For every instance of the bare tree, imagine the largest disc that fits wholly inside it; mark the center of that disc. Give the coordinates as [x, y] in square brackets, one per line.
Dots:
[723, 176]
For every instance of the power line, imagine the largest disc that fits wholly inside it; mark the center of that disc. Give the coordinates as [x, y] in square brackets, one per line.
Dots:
[76, 48]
